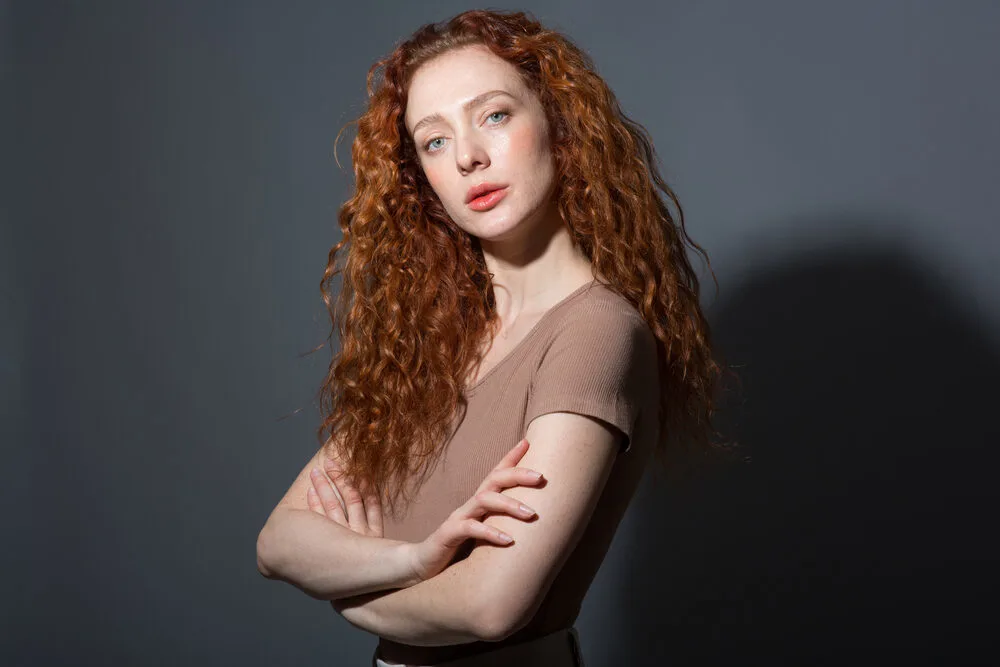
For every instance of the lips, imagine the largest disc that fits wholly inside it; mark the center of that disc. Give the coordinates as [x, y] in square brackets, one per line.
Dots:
[487, 201]
[482, 189]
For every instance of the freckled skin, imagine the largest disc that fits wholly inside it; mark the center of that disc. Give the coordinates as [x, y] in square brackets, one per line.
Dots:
[482, 145]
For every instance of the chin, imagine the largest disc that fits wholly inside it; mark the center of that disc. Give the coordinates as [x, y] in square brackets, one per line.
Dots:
[495, 229]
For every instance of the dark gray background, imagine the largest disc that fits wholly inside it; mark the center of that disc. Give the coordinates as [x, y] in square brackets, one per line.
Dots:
[170, 198]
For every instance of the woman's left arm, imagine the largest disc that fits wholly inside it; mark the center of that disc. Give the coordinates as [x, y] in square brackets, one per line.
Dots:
[505, 585]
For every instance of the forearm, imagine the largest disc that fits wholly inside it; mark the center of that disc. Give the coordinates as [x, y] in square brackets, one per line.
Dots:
[443, 610]
[328, 561]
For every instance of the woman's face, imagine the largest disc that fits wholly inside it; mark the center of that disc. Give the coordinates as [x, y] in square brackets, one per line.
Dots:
[474, 122]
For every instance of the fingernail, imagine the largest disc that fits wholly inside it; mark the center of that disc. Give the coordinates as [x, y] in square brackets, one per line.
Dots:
[527, 510]
[506, 538]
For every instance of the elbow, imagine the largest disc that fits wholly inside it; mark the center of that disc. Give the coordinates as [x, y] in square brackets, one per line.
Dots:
[265, 563]
[267, 542]
[499, 617]
[261, 564]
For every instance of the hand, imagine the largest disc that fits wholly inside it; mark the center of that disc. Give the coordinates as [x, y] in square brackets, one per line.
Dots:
[335, 496]
[436, 552]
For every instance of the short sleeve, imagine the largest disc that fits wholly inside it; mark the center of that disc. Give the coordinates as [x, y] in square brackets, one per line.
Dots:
[596, 364]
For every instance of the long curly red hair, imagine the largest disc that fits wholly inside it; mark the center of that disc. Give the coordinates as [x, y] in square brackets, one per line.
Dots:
[416, 299]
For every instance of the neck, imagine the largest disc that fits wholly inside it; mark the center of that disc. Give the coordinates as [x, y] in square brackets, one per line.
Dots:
[536, 270]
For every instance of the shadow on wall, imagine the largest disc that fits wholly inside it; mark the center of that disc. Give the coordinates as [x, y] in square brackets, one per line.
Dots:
[862, 531]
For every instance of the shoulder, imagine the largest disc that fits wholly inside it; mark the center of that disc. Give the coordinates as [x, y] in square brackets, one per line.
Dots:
[599, 359]
[601, 316]
[598, 334]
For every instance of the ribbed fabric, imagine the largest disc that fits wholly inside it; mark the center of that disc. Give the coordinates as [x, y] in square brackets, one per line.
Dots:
[590, 354]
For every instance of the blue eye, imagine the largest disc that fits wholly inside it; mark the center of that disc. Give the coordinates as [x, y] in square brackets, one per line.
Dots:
[428, 146]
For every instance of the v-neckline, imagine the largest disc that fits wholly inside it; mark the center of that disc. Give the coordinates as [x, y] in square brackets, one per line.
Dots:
[531, 332]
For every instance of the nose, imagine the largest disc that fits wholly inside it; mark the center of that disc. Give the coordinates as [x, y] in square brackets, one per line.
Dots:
[470, 154]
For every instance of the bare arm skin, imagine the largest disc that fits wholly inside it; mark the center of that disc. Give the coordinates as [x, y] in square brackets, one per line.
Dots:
[322, 558]
[320, 552]
[496, 590]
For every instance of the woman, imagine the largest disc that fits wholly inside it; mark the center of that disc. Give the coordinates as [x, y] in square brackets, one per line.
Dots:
[513, 277]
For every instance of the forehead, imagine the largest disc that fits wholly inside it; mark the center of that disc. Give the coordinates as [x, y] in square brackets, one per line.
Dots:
[441, 85]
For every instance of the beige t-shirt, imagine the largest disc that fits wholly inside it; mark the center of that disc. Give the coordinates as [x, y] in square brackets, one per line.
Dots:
[590, 354]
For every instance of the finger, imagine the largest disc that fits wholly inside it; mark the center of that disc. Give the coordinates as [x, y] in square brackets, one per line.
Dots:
[459, 531]
[354, 503]
[498, 480]
[313, 501]
[485, 502]
[373, 507]
[514, 455]
[328, 497]
[357, 516]
[333, 468]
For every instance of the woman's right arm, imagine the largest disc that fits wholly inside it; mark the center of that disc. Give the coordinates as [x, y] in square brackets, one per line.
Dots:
[325, 560]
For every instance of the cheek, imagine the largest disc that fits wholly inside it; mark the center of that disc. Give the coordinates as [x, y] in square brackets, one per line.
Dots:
[522, 143]
[433, 177]
[527, 145]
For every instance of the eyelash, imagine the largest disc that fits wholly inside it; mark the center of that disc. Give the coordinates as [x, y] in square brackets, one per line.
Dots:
[506, 117]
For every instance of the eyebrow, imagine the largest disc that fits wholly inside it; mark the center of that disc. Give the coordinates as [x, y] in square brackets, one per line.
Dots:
[474, 102]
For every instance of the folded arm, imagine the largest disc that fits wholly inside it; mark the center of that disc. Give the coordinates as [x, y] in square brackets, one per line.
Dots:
[328, 561]
[496, 590]
[322, 558]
